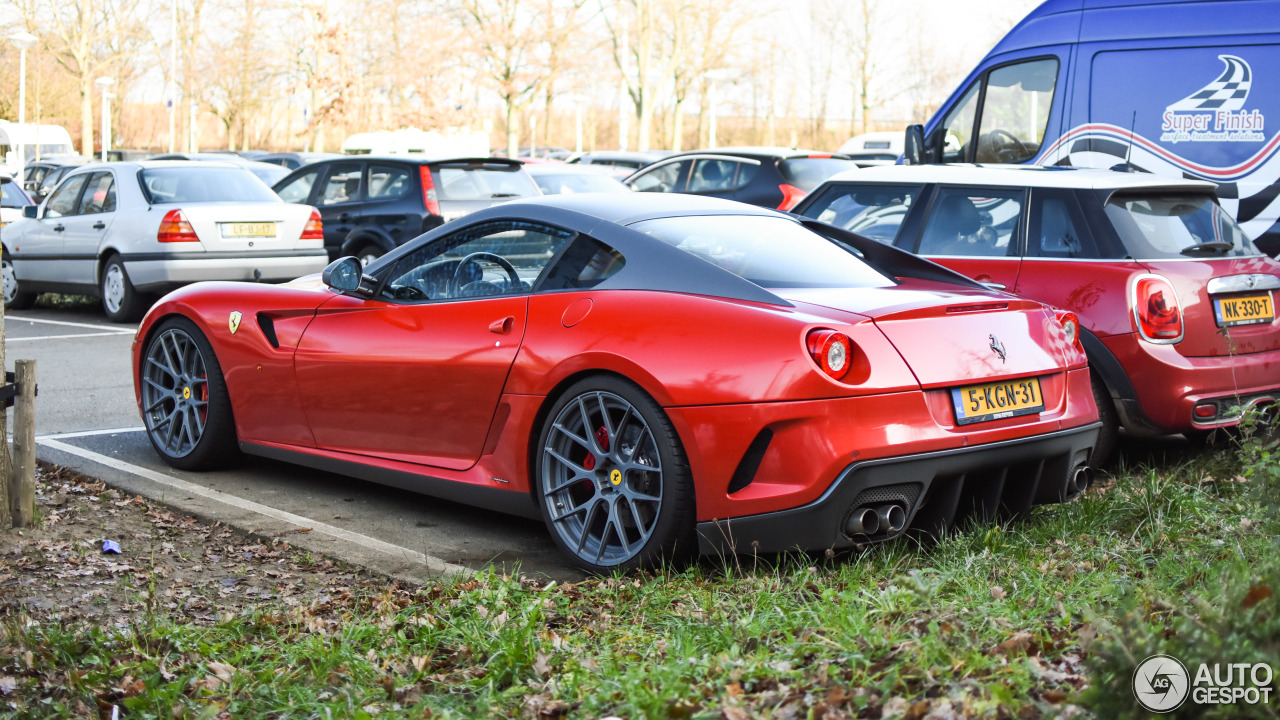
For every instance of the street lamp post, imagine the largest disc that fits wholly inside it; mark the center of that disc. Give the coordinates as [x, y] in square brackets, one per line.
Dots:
[714, 77]
[24, 41]
[104, 83]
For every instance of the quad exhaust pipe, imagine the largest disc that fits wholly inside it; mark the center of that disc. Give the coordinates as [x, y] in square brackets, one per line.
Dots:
[884, 520]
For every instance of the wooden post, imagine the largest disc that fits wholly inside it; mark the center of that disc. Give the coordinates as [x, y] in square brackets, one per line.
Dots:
[6, 470]
[22, 491]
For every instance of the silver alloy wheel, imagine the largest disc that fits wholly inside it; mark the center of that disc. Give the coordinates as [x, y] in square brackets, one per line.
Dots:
[601, 478]
[113, 288]
[367, 256]
[10, 280]
[175, 392]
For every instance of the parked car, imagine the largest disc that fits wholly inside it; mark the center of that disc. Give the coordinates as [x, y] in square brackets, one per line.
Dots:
[619, 162]
[123, 230]
[768, 177]
[266, 172]
[1180, 93]
[559, 178]
[372, 205]
[295, 160]
[41, 177]
[649, 374]
[12, 200]
[1177, 306]
[128, 154]
[874, 148]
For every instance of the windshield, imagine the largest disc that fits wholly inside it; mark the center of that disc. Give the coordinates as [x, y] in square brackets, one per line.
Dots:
[1153, 227]
[482, 182]
[771, 252]
[203, 184]
[11, 196]
[809, 173]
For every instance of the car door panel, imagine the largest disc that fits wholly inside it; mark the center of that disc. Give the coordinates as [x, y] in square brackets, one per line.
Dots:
[414, 383]
[86, 230]
[38, 256]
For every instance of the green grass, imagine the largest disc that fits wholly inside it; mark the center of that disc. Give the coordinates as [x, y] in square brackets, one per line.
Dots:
[1007, 620]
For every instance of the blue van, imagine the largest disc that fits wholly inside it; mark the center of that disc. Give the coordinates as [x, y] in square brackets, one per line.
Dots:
[1160, 86]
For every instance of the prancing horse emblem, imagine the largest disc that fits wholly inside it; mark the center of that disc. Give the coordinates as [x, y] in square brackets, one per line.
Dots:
[996, 347]
[234, 321]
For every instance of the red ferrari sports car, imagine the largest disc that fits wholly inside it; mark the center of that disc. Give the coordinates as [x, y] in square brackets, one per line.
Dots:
[650, 375]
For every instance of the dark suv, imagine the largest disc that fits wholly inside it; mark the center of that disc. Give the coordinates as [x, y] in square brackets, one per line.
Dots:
[769, 177]
[371, 205]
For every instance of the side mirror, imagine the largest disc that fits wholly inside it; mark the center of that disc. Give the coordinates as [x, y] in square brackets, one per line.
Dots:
[31, 211]
[913, 146]
[345, 275]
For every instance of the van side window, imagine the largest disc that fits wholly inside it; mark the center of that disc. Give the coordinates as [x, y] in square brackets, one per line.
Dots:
[1015, 111]
[958, 127]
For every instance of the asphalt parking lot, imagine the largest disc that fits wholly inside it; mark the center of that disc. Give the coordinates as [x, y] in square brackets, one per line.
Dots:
[86, 419]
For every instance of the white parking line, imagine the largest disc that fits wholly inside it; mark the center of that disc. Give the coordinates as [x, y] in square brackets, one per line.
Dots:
[60, 337]
[433, 564]
[89, 433]
[115, 329]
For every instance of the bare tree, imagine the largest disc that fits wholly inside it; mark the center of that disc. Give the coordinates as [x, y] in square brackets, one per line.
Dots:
[649, 39]
[713, 30]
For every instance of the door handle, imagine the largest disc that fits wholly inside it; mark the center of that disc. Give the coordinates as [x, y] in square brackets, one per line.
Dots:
[503, 326]
[58, 228]
[99, 225]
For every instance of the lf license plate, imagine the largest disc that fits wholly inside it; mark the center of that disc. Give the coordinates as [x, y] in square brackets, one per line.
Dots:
[1250, 310]
[245, 229]
[993, 401]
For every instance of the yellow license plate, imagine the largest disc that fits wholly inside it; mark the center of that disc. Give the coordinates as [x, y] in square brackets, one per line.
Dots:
[993, 401]
[245, 229]
[1250, 310]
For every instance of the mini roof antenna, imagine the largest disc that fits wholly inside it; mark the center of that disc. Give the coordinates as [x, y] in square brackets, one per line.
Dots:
[1128, 149]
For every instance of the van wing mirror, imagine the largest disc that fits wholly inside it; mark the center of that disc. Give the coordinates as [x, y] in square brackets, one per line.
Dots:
[913, 146]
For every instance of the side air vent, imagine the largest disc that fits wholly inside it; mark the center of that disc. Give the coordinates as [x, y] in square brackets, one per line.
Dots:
[750, 462]
[268, 329]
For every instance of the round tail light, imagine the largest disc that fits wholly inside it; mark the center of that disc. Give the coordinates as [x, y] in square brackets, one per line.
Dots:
[832, 351]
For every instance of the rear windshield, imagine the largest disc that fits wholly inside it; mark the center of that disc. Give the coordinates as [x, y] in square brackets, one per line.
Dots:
[1153, 227]
[11, 196]
[771, 252]
[808, 173]
[568, 183]
[203, 184]
[482, 182]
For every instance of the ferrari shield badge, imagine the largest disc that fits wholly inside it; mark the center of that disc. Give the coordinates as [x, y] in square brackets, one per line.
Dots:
[234, 321]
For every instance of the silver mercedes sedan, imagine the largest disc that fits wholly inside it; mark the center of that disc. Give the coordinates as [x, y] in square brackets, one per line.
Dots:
[126, 231]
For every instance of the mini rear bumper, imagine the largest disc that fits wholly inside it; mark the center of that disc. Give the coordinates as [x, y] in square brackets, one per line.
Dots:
[151, 273]
[936, 490]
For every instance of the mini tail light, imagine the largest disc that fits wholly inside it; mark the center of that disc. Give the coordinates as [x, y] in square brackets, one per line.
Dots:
[1156, 310]
[175, 228]
[1205, 411]
[429, 197]
[791, 196]
[832, 351]
[315, 227]
[1071, 326]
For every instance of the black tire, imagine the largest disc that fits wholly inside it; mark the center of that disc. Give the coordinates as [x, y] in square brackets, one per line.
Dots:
[1110, 431]
[185, 405]
[615, 473]
[14, 297]
[120, 301]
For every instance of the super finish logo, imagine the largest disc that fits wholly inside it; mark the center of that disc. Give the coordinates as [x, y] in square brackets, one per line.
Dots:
[1216, 112]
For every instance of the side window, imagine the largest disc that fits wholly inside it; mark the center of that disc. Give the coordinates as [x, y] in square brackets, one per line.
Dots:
[299, 189]
[51, 179]
[1015, 111]
[664, 178]
[587, 263]
[973, 222]
[99, 194]
[876, 212]
[1056, 228]
[715, 175]
[498, 258]
[342, 184]
[957, 127]
[63, 201]
[387, 182]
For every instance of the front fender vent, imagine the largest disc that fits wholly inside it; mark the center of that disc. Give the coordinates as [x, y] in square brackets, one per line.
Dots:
[750, 462]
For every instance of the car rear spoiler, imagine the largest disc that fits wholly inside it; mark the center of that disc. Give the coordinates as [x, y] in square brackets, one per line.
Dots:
[889, 259]
[477, 160]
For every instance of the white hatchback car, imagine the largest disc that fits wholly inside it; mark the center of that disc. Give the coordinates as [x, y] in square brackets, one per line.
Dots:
[123, 230]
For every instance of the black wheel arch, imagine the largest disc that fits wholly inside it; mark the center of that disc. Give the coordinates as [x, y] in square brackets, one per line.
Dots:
[362, 236]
